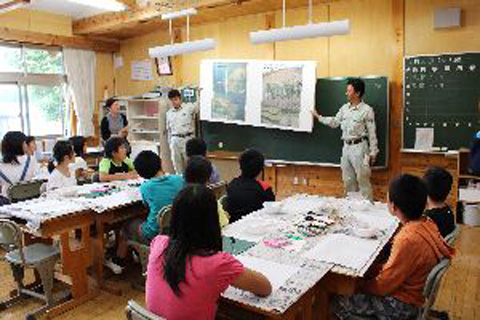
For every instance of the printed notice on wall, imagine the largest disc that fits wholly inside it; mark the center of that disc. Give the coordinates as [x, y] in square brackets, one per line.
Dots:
[142, 70]
[424, 138]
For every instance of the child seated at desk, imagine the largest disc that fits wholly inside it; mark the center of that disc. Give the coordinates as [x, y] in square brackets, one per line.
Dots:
[59, 167]
[439, 183]
[80, 166]
[16, 165]
[474, 166]
[187, 271]
[246, 193]
[116, 165]
[198, 147]
[157, 191]
[199, 170]
[396, 292]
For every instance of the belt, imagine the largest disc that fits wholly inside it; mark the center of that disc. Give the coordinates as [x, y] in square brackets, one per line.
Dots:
[355, 141]
[183, 135]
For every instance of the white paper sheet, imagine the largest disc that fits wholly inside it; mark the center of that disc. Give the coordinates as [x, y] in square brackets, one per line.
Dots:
[424, 138]
[276, 273]
[347, 251]
[142, 70]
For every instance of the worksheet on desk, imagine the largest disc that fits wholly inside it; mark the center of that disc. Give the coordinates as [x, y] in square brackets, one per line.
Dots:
[343, 250]
[276, 273]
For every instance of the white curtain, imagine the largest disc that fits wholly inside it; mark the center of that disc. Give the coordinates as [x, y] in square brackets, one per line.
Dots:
[80, 68]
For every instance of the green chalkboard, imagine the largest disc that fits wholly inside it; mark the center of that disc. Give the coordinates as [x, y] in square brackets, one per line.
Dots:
[442, 92]
[322, 145]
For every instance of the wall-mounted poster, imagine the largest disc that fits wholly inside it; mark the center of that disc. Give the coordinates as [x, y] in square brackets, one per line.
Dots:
[273, 94]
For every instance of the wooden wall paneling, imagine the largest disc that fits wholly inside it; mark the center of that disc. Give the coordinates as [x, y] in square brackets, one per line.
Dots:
[396, 87]
[39, 38]
[421, 36]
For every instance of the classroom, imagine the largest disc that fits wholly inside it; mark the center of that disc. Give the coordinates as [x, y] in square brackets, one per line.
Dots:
[239, 159]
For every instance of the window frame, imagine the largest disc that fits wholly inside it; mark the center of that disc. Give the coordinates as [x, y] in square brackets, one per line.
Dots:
[23, 79]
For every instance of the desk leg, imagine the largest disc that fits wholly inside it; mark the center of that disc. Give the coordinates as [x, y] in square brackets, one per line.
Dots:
[75, 263]
[98, 254]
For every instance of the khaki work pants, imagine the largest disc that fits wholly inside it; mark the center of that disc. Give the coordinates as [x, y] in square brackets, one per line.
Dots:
[356, 170]
[178, 153]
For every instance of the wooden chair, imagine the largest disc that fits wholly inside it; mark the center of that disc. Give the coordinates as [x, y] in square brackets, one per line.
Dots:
[453, 236]
[24, 190]
[39, 256]
[143, 250]
[219, 188]
[134, 311]
[431, 287]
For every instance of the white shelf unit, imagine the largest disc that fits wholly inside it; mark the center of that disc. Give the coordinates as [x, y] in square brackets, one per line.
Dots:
[144, 120]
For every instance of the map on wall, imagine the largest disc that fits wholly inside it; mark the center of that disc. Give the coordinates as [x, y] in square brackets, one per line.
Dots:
[282, 89]
[229, 91]
[272, 94]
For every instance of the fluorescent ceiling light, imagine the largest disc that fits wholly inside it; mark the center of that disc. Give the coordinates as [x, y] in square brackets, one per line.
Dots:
[175, 49]
[181, 48]
[10, 5]
[109, 5]
[179, 14]
[326, 29]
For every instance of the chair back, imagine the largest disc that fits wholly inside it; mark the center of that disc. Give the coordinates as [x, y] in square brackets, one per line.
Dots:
[163, 219]
[219, 188]
[134, 311]
[24, 190]
[453, 236]
[432, 285]
[11, 237]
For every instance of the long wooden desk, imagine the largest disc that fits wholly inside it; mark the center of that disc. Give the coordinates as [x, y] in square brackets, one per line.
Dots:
[311, 304]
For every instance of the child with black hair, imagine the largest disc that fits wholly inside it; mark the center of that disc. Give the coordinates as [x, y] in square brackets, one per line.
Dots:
[246, 193]
[158, 191]
[32, 149]
[187, 271]
[116, 165]
[59, 167]
[396, 292]
[198, 147]
[16, 165]
[439, 183]
[80, 166]
[199, 170]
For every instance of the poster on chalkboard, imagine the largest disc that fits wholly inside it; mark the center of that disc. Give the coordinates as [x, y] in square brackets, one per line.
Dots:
[271, 94]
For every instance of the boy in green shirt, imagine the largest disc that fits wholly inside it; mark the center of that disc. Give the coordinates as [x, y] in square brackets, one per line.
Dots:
[116, 165]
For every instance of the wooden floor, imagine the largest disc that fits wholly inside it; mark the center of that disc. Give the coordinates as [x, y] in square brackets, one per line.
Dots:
[459, 293]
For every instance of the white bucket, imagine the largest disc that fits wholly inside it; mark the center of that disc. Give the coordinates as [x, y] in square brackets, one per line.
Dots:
[471, 215]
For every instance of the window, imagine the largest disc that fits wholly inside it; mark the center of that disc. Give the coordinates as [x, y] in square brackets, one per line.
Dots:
[33, 86]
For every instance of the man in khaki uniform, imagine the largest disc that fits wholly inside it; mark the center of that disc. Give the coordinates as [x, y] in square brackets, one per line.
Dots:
[180, 128]
[357, 121]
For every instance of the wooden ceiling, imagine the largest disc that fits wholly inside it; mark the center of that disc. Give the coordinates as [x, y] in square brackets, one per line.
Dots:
[139, 21]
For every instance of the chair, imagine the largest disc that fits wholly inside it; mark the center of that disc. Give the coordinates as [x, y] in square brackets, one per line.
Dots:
[452, 237]
[134, 311]
[38, 256]
[143, 250]
[219, 188]
[24, 190]
[431, 287]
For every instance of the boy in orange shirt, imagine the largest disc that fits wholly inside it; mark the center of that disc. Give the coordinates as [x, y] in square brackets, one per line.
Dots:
[396, 291]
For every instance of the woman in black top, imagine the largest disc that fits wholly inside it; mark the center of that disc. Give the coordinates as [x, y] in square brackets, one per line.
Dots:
[114, 123]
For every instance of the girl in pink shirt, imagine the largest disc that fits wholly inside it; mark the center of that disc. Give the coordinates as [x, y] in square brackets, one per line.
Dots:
[188, 271]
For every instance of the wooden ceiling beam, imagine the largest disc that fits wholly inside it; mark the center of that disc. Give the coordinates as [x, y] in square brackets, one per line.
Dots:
[141, 21]
[115, 21]
[79, 42]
